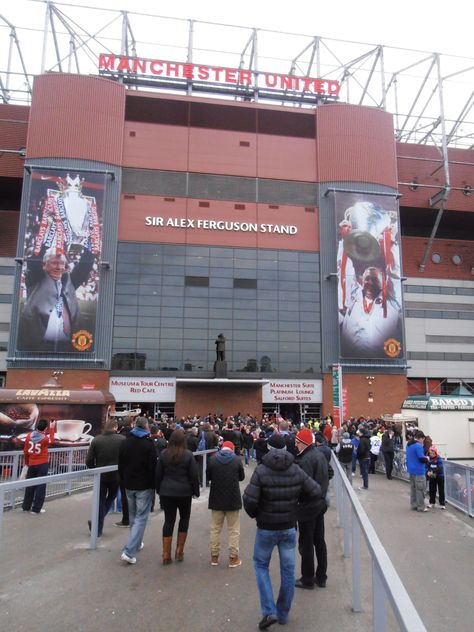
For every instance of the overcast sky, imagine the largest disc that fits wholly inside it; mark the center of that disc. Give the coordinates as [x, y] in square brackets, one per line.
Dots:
[443, 26]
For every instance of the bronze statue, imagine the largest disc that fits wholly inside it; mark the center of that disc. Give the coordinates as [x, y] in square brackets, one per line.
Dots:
[220, 348]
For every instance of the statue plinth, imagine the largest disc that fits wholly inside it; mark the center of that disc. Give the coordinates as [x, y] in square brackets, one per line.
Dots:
[220, 368]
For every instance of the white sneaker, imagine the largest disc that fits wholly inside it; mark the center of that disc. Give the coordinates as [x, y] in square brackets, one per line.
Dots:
[141, 546]
[130, 560]
[36, 513]
[432, 506]
[442, 506]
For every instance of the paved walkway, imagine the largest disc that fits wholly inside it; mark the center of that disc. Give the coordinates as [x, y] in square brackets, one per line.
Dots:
[50, 580]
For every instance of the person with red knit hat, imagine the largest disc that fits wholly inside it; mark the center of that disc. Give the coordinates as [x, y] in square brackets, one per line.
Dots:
[224, 472]
[310, 514]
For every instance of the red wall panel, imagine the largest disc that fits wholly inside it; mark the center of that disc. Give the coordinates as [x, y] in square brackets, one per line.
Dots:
[13, 131]
[286, 158]
[355, 144]
[75, 116]
[134, 210]
[424, 165]
[413, 249]
[222, 152]
[154, 146]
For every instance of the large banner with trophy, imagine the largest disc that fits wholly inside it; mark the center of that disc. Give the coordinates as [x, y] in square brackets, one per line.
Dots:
[60, 274]
[368, 271]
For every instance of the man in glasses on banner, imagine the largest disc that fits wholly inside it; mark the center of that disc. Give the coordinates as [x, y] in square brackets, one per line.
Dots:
[51, 311]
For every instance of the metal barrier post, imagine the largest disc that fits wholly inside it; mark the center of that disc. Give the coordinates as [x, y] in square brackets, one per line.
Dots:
[379, 600]
[345, 524]
[204, 470]
[469, 493]
[95, 511]
[16, 464]
[338, 490]
[69, 469]
[356, 588]
[2, 501]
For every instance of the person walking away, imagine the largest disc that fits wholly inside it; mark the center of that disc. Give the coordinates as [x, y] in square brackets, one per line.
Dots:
[344, 452]
[261, 447]
[375, 445]
[311, 514]
[436, 477]
[334, 437]
[35, 454]
[136, 466]
[247, 444]
[104, 450]
[271, 498]
[363, 456]
[124, 430]
[224, 472]
[416, 466]
[388, 451]
[177, 481]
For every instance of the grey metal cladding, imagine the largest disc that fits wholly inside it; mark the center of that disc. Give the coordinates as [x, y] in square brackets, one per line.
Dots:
[287, 192]
[222, 187]
[154, 182]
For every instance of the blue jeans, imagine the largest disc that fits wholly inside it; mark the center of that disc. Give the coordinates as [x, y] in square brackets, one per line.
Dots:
[265, 542]
[364, 465]
[139, 505]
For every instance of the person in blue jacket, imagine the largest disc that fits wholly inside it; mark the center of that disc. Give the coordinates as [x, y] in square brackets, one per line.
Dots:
[416, 466]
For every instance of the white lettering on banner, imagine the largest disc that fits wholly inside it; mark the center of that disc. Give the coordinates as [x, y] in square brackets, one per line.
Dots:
[211, 224]
[293, 391]
[153, 389]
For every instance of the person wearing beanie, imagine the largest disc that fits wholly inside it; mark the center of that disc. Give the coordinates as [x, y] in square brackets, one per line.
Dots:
[310, 513]
[271, 498]
[224, 472]
[344, 452]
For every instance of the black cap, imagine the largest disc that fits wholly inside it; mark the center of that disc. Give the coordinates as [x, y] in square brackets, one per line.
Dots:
[277, 442]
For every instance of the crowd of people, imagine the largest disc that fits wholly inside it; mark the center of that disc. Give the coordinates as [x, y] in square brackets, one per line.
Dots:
[288, 487]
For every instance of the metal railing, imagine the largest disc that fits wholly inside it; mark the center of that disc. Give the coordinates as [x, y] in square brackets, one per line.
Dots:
[387, 587]
[458, 480]
[61, 461]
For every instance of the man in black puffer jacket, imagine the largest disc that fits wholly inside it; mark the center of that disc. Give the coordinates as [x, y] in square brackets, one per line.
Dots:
[311, 514]
[272, 499]
[225, 471]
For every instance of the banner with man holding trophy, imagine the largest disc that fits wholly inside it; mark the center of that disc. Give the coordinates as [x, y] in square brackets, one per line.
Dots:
[369, 283]
[60, 276]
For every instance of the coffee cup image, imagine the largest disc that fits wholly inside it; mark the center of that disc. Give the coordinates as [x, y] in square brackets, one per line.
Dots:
[72, 429]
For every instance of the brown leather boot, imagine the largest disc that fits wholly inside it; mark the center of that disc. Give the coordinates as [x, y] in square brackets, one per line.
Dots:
[167, 542]
[179, 554]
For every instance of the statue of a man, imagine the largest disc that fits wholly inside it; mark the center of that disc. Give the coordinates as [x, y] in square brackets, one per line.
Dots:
[220, 348]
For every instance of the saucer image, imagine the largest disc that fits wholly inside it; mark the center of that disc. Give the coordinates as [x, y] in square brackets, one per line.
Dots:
[84, 439]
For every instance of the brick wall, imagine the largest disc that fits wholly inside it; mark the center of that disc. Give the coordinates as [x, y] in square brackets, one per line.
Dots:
[8, 233]
[228, 400]
[414, 247]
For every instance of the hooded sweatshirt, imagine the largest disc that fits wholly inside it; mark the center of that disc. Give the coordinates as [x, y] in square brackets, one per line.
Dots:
[137, 460]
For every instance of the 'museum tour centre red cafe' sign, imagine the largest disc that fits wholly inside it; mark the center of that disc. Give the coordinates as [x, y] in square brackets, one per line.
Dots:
[116, 64]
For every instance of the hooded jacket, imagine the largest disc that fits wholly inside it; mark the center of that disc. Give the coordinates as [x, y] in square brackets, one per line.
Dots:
[274, 489]
[137, 461]
[225, 471]
[313, 462]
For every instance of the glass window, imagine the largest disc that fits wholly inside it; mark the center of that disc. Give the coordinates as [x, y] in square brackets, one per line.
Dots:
[243, 324]
[245, 283]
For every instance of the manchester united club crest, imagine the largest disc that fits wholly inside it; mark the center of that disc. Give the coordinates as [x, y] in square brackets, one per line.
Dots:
[392, 348]
[82, 340]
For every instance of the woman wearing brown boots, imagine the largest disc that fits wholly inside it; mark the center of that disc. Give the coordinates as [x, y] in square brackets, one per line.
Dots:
[177, 482]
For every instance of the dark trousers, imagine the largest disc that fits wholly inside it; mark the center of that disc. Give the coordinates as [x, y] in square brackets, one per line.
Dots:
[125, 515]
[388, 456]
[35, 495]
[434, 484]
[373, 461]
[310, 541]
[171, 504]
[107, 495]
